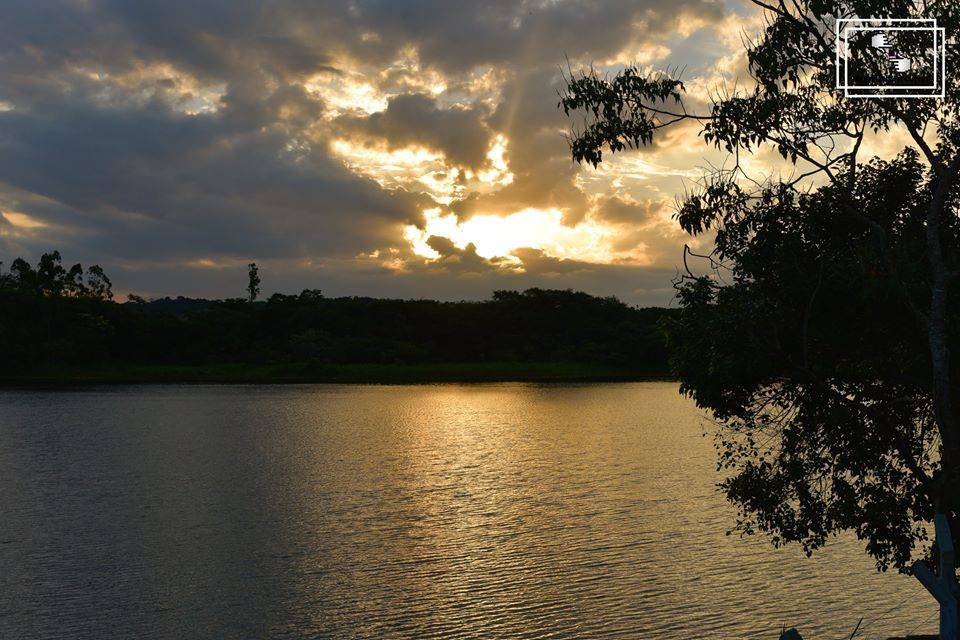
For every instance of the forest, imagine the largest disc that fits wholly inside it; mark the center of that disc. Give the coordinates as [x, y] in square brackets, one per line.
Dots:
[59, 324]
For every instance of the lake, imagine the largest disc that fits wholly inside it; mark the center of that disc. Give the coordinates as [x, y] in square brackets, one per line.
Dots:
[421, 511]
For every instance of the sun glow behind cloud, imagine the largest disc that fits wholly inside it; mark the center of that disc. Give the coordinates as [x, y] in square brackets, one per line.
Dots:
[496, 234]
[348, 93]
[391, 168]
[423, 169]
[22, 220]
[499, 172]
[499, 236]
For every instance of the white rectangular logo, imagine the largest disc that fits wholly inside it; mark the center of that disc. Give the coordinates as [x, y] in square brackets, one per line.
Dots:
[890, 57]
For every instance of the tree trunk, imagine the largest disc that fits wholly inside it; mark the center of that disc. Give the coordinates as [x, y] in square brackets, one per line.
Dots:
[943, 586]
[937, 336]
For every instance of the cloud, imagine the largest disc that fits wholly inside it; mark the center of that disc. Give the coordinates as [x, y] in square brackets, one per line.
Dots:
[160, 138]
[458, 260]
[416, 120]
[618, 210]
[149, 181]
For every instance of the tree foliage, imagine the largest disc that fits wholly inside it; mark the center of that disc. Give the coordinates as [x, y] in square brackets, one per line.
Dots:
[50, 278]
[819, 333]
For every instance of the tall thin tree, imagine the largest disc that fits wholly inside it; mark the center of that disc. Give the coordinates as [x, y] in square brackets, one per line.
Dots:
[253, 281]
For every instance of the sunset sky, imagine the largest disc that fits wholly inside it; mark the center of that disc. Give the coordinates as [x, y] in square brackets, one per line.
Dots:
[402, 149]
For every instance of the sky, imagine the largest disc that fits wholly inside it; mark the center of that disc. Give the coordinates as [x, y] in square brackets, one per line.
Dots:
[387, 148]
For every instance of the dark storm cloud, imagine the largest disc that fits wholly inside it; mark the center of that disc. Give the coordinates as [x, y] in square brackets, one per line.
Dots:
[144, 132]
[619, 211]
[416, 119]
[456, 36]
[219, 40]
[456, 260]
[155, 181]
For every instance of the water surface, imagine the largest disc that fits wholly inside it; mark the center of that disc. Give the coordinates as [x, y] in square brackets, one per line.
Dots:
[440, 511]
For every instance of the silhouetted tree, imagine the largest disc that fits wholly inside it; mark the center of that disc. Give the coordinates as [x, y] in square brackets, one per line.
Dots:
[52, 280]
[50, 274]
[98, 284]
[23, 277]
[73, 282]
[253, 281]
[311, 295]
[820, 337]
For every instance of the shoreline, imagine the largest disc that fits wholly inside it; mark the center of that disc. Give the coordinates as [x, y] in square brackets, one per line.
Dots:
[307, 373]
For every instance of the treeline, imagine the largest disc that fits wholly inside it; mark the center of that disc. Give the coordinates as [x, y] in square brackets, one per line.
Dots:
[51, 316]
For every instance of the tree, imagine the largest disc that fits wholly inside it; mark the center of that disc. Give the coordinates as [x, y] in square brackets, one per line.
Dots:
[98, 284]
[820, 335]
[50, 274]
[253, 281]
[52, 280]
[311, 295]
[73, 282]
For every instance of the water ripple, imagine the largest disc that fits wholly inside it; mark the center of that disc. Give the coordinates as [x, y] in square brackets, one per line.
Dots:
[444, 511]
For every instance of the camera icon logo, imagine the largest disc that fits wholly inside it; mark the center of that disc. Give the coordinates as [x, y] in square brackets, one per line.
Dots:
[890, 58]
